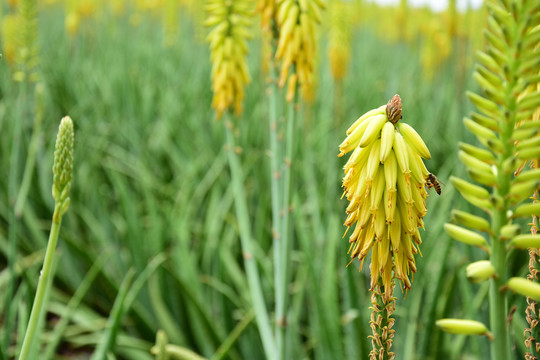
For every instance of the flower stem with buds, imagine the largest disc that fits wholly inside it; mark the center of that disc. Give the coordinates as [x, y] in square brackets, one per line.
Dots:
[382, 322]
[62, 170]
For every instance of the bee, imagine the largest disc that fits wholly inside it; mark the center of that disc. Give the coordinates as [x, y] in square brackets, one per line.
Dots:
[433, 182]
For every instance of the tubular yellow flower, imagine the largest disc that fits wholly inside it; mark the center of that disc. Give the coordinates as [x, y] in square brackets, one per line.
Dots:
[228, 45]
[296, 45]
[384, 182]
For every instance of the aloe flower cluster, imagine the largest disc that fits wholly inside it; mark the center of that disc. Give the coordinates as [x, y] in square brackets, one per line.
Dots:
[296, 20]
[230, 21]
[385, 183]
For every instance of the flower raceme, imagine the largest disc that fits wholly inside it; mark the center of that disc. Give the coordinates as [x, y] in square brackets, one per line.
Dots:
[385, 183]
[230, 21]
[296, 45]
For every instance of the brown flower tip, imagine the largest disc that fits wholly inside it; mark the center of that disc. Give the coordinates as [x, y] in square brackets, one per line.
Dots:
[393, 109]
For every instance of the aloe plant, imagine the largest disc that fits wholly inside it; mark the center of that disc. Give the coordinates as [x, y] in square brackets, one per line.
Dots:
[507, 71]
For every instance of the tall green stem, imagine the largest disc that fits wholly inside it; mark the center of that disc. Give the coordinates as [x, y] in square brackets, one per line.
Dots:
[45, 278]
[276, 178]
[250, 265]
[500, 347]
[382, 322]
[284, 243]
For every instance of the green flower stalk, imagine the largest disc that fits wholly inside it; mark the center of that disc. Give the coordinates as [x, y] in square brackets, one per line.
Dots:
[381, 323]
[385, 182]
[532, 310]
[507, 70]
[62, 170]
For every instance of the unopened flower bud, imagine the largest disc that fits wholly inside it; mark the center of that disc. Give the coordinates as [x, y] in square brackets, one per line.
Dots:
[465, 236]
[480, 271]
[530, 209]
[63, 161]
[461, 326]
[509, 231]
[526, 241]
[525, 287]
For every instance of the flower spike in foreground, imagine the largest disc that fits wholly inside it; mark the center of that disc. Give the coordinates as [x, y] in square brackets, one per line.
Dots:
[385, 181]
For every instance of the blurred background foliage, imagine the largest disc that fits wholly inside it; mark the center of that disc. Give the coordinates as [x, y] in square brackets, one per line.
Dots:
[152, 224]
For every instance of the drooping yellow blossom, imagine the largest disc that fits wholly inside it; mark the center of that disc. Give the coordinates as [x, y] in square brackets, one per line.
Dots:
[296, 21]
[339, 49]
[385, 181]
[230, 21]
[267, 9]
[11, 37]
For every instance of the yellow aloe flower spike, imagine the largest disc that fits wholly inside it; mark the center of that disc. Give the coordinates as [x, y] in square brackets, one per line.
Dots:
[230, 21]
[385, 183]
[296, 50]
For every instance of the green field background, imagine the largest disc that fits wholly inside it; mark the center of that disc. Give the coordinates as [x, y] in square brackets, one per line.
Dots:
[151, 238]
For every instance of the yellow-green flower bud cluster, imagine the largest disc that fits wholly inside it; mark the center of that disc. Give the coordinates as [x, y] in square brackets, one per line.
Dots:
[230, 21]
[296, 45]
[480, 271]
[385, 181]
[63, 164]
